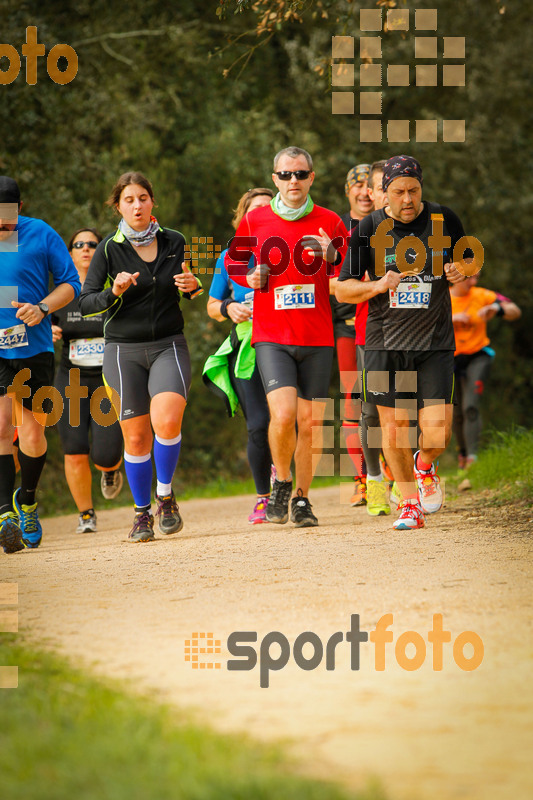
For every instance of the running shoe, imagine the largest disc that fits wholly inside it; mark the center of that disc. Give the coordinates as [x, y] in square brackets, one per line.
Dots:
[168, 512]
[111, 483]
[10, 533]
[86, 522]
[143, 528]
[32, 532]
[411, 517]
[359, 493]
[395, 496]
[301, 513]
[377, 504]
[258, 515]
[429, 491]
[277, 509]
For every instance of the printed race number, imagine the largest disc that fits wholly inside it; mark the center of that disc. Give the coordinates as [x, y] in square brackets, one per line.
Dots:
[410, 295]
[16, 336]
[87, 352]
[294, 296]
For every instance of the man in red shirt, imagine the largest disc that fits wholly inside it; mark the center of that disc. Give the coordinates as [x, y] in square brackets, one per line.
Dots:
[298, 248]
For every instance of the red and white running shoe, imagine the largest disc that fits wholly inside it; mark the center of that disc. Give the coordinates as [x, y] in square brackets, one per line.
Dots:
[411, 517]
[429, 491]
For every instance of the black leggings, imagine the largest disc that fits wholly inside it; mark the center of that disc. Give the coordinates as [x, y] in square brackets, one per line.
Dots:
[255, 408]
[106, 442]
[471, 373]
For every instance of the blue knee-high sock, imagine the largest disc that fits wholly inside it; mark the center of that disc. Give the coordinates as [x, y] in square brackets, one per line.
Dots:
[139, 475]
[166, 454]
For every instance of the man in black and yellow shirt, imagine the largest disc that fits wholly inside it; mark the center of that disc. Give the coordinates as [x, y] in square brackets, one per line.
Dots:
[409, 334]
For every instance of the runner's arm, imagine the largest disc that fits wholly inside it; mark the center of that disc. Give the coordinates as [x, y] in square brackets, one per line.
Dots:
[63, 271]
[350, 287]
[356, 291]
[511, 311]
[500, 307]
[97, 293]
[31, 314]
[188, 283]
[456, 272]
[235, 311]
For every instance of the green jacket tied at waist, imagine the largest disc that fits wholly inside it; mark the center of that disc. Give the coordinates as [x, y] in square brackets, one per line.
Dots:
[216, 372]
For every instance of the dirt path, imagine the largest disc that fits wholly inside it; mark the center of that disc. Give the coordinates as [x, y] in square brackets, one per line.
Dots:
[127, 610]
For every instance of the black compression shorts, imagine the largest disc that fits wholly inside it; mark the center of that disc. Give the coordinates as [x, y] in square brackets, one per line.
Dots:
[307, 369]
[106, 448]
[139, 371]
[392, 376]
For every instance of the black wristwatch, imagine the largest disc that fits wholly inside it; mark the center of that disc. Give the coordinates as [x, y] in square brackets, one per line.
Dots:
[44, 308]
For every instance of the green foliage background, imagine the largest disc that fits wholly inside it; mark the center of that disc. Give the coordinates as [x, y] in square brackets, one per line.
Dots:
[201, 101]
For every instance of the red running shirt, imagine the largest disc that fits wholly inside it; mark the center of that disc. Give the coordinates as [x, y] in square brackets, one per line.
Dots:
[293, 308]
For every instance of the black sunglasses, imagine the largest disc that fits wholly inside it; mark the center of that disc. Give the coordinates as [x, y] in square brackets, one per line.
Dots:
[299, 174]
[79, 245]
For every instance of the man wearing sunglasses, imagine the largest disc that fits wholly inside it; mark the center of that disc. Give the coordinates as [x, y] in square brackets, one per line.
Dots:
[29, 251]
[298, 248]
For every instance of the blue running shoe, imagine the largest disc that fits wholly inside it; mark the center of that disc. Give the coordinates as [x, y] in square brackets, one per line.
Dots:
[10, 533]
[32, 532]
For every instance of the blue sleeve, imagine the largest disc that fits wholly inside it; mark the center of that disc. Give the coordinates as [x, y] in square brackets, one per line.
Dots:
[60, 263]
[220, 284]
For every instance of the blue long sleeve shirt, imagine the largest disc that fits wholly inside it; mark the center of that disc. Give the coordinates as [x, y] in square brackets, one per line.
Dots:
[26, 262]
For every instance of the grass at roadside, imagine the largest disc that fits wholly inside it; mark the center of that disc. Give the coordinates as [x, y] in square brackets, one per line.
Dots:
[64, 735]
[505, 467]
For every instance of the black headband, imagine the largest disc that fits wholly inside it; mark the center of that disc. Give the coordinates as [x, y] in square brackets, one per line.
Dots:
[401, 167]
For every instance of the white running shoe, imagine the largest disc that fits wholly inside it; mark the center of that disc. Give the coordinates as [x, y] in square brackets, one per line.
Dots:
[411, 517]
[429, 491]
[86, 523]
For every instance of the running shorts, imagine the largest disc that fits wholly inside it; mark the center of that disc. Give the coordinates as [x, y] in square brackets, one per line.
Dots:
[140, 370]
[41, 368]
[106, 448]
[307, 369]
[392, 376]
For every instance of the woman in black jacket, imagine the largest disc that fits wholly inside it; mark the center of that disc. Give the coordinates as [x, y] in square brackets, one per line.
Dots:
[137, 275]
